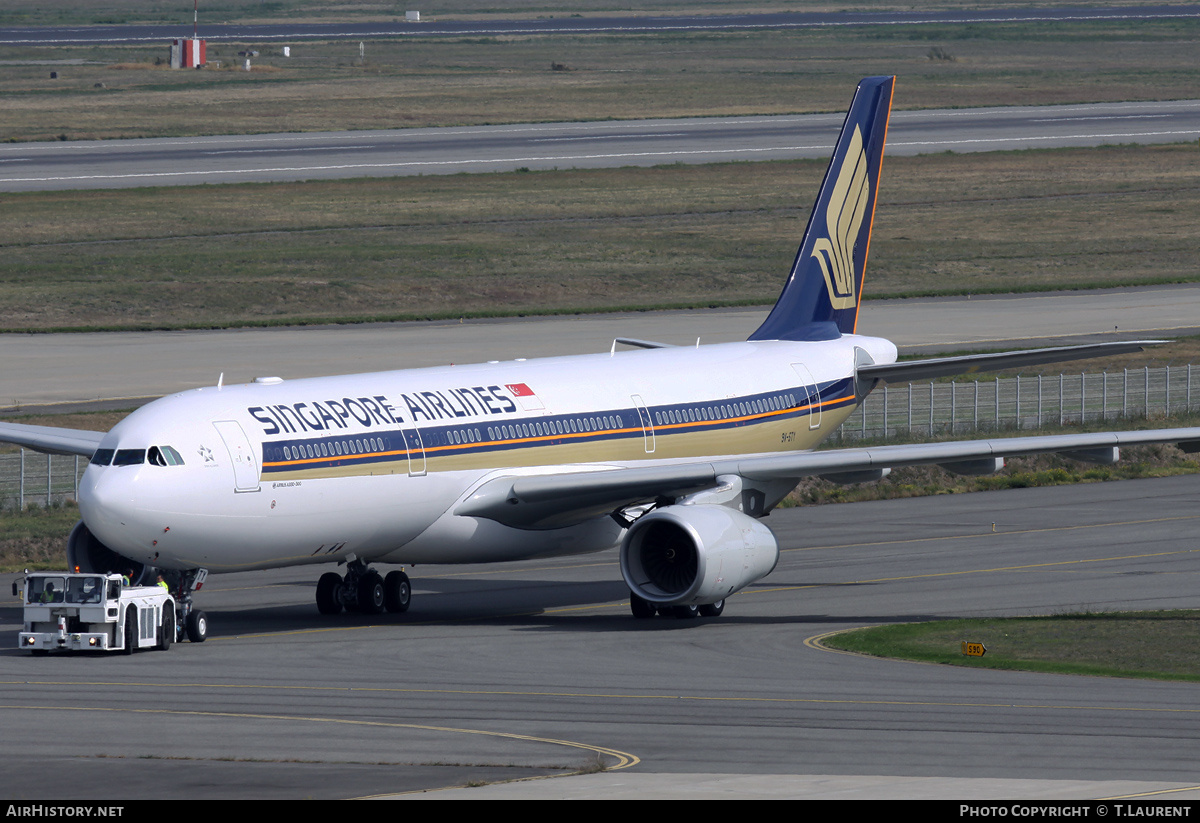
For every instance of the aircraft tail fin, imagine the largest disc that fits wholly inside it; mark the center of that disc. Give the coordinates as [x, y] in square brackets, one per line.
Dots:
[821, 296]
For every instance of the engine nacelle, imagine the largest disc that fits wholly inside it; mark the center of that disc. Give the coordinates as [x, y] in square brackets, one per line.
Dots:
[85, 553]
[695, 555]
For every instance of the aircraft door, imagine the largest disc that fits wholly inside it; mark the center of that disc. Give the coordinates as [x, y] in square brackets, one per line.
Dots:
[416, 452]
[647, 425]
[812, 394]
[245, 467]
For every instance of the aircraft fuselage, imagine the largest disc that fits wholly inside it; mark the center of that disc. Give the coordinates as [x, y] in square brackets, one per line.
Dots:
[283, 472]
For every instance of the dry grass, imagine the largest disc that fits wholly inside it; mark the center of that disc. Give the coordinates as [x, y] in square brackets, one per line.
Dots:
[1019, 472]
[560, 241]
[35, 538]
[427, 82]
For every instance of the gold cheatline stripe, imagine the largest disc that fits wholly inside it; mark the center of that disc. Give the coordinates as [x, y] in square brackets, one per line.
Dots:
[572, 435]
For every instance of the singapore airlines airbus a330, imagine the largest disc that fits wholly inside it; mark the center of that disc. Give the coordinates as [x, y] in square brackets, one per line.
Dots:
[672, 453]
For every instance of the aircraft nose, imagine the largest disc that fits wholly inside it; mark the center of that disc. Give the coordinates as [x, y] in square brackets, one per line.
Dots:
[108, 503]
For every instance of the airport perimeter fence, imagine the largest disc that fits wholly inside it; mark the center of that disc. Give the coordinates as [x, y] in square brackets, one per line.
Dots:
[932, 409]
[43, 479]
[1021, 403]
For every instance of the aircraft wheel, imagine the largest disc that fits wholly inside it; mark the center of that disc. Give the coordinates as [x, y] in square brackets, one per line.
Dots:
[197, 627]
[640, 607]
[166, 631]
[713, 609]
[370, 593]
[328, 601]
[397, 592]
[131, 635]
[685, 612]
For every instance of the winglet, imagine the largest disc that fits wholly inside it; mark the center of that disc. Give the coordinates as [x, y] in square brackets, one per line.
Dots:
[821, 296]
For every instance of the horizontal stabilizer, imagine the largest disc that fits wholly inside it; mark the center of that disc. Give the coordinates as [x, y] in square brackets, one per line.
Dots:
[911, 370]
[643, 344]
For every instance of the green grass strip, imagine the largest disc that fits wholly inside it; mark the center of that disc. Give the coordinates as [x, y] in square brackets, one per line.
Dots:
[1153, 645]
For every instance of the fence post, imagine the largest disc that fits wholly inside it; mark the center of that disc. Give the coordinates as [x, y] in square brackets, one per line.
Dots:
[21, 501]
[1039, 415]
[1061, 420]
[953, 405]
[996, 424]
[49, 477]
[1082, 397]
[1147, 406]
[1017, 410]
[1167, 393]
[885, 412]
[931, 409]
[1125, 394]
[1104, 395]
[910, 408]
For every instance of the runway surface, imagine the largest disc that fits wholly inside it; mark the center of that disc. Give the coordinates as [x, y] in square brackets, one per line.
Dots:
[43, 369]
[335, 155]
[575, 24]
[536, 668]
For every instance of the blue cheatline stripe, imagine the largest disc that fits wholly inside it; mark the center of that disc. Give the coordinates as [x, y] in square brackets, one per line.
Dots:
[335, 451]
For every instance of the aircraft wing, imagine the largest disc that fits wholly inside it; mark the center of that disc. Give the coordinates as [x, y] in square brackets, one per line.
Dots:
[51, 439]
[556, 500]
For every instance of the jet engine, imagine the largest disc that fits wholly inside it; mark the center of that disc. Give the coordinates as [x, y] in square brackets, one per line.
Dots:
[85, 553]
[695, 555]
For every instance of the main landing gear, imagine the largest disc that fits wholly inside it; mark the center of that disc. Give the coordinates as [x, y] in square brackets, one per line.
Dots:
[643, 609]
[363, 590]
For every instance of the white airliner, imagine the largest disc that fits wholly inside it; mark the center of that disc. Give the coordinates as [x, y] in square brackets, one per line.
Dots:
[672, 453]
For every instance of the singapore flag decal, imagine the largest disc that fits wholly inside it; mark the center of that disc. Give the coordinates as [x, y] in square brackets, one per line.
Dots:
[525, 395]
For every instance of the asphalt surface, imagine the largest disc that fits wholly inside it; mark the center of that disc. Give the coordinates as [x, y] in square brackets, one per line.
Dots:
[537, 668]
[337, 155]
[105, 369]
[574, 24]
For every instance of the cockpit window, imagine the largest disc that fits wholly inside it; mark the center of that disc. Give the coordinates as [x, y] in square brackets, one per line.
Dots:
[102, 457]
[163, 456]
[129, 457]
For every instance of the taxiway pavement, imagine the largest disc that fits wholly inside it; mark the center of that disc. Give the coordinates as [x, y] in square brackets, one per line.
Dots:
[537, 668]
[89, 164]
[47, 369]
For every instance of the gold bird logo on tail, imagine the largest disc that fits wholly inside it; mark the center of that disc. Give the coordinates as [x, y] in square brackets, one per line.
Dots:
[843, 218]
